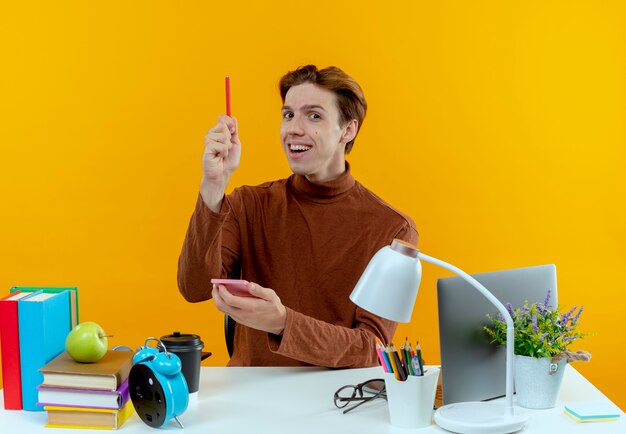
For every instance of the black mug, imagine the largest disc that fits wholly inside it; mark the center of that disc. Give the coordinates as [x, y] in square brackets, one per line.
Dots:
[188, 348]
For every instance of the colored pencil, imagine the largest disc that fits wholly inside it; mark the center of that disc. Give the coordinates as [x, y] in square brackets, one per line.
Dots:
[416, 366]
[387, 361]
[385, 356]
[227, 83]
[407, 361]
[401, 362]
[394, 366]
[381, 358]
[401, 372]
[419, 358]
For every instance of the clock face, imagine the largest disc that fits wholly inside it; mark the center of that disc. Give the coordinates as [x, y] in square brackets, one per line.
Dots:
[147, 395]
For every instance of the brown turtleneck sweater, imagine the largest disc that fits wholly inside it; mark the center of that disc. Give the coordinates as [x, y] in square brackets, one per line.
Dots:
[309, 243]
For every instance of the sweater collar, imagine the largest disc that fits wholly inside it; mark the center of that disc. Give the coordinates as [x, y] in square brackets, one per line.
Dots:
[325, 191]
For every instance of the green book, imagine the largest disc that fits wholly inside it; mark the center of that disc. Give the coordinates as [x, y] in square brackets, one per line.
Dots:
[54, 290]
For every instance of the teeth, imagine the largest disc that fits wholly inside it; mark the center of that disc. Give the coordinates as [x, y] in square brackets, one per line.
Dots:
[299, 147]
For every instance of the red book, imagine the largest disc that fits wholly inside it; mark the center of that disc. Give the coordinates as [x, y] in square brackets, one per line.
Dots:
[10, 341]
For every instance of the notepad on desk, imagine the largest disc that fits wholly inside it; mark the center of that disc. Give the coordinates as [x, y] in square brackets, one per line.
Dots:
[591, 412]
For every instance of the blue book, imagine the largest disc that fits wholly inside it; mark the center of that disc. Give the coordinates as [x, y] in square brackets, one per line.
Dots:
[43, 326]
[73, 297]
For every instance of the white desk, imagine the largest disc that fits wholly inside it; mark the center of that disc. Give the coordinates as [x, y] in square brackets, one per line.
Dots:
[300, 400]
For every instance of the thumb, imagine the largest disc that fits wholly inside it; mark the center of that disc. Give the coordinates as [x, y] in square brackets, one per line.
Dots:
[258, 291]
[234, 129]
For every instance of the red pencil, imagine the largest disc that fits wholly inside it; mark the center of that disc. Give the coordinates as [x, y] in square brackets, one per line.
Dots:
[227, 82]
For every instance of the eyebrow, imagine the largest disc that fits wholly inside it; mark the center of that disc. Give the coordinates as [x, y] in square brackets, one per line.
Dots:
[305, 107]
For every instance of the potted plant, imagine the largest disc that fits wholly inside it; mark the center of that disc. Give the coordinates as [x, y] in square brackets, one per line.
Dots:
[542, 338]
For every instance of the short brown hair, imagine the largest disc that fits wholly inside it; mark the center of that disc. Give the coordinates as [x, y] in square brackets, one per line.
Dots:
[350, 99]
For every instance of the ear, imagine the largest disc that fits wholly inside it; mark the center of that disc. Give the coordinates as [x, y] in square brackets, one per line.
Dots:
[349, 131]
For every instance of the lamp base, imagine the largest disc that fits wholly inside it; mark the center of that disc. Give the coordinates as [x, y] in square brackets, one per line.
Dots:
[479, 418]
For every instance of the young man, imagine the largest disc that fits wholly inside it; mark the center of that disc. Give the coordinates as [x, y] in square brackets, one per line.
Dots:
[302, 242]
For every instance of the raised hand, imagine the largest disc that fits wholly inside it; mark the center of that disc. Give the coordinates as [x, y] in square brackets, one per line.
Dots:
[222, 152]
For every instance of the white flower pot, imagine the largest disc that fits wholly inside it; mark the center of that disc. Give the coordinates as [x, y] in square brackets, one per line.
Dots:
[535, 386]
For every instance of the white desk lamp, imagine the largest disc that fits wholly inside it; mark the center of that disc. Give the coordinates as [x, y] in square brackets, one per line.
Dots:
[388, 288]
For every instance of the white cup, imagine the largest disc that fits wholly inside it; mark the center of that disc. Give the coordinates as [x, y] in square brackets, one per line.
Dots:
[411, 401]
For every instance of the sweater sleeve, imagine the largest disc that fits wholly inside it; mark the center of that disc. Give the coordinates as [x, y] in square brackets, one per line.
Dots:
[210, 250]
[316, 342]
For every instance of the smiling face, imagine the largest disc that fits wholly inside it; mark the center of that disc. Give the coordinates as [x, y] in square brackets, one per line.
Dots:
[311, 134]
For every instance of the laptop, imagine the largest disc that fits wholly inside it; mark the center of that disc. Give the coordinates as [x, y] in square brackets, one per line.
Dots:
[472, 369]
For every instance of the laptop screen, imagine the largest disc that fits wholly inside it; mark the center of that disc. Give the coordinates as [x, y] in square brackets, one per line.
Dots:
[472, 369]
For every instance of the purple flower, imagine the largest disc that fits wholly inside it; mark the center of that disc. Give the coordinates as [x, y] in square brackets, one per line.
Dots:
[535, 328]
[569, 338]
[575, 320]
[543, 336]
[546, 302]
[510, 309]
[566, 316]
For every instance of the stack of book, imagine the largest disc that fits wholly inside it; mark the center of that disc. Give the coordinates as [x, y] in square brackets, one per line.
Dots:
[34, 322]
[87, 395]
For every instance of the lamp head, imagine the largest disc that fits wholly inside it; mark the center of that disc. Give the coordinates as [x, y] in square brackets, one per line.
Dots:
[389, 284]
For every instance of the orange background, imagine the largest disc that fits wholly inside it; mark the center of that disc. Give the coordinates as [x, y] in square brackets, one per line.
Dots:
[500, 128]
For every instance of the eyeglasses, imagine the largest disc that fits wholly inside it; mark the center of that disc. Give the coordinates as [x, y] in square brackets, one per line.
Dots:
[361, 393]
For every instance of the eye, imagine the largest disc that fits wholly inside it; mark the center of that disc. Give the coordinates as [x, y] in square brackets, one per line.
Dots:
[287, 115]
[315, 115]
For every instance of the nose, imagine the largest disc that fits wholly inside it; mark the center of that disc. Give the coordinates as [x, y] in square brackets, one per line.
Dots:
[294, 126]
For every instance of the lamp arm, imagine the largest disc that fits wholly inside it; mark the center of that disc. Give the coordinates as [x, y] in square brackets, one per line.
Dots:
[505, 314]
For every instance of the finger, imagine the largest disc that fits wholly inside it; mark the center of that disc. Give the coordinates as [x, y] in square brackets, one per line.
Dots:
[215, 136]
[216, 143]
[220, 133]
[212, 139]
[235, 132]
[218, 149]
[261, 292]
[220, 303]
[216, 155]
[235, 301]
[229, 122]
[220, 126]
[223, 127]
[215, 293]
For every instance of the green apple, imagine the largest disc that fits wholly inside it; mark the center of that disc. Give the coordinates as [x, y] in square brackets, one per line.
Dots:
[87, 342]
